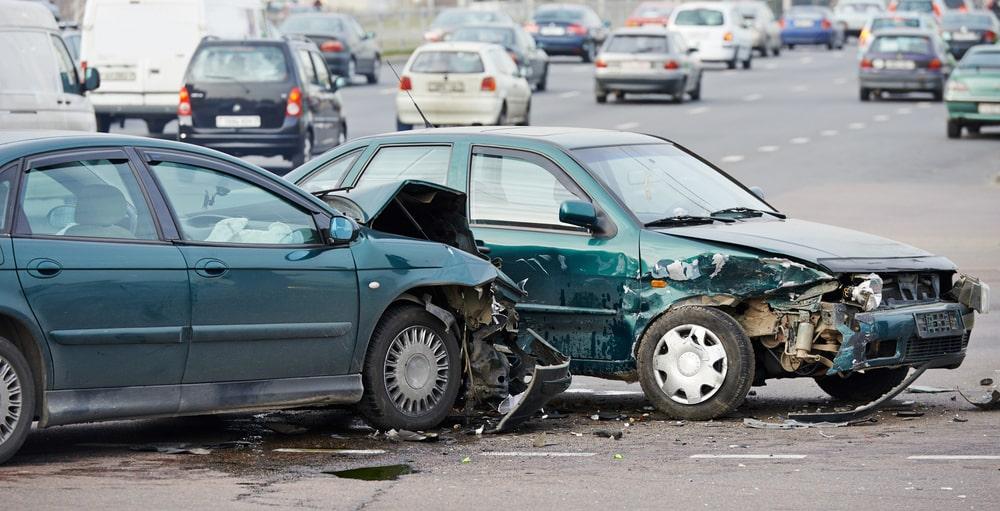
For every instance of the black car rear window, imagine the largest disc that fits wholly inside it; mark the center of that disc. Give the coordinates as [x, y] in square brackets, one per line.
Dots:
[239, 63]
[447, 62]
[895, 22]
[638, 44]
[954, 4]
[699, 17]
[901, 44]
[915, 6]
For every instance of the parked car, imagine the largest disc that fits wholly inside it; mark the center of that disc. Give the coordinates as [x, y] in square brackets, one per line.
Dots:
[902, 60]
[963, 30]
[647, 60]
[973, 91]
[717, 30]
[904, 20]
[764, 27]
[853, 14]
[532, 60]
[568, 29]
[40, 86]
[347, 48]
[454, 17]
[261, 97]
[462, 84]
[148, 278]
[142, 49]
[644, 262]
[651, 13]
[811, 25]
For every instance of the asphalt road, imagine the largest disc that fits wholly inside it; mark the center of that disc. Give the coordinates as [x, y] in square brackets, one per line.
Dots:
[792, 125]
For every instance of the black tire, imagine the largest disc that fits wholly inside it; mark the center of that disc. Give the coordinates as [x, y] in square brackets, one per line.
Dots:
[732, 63]
[304, 153]
[372, 77]
[527, 115]
[776, 51]
[103, 123]
[155, 126]
[696, 92]
[791, 46]
[748, 61]
[939, 95]
[865, 94]
[376, 405]
[973, 129]
[544, 82]
[13, 362]
[502, 118]
[739, 373]
[867, 386]
[601, 97]
[954, 129]
[678, 96]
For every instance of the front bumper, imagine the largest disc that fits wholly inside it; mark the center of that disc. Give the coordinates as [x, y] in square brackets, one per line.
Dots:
[902, 81]
[967, 109]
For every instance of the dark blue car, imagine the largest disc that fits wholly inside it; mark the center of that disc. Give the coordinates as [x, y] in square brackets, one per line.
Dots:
[567, 29]
[810, 24]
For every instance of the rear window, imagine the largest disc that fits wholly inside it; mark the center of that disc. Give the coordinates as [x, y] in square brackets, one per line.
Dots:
[559, 14]
[915, 6]
[974, 21]
[29, 63]
[447, 62]
[502, 36]
[901, 44]
[699, 17]
[981, 59]
[310, 24]
[637, 44]
[954, 4]
[458, 17]
[895, 22]
[239, 64]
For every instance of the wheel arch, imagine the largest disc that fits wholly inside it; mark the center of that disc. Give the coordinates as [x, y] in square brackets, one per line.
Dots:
[723, 302]
[29, 341]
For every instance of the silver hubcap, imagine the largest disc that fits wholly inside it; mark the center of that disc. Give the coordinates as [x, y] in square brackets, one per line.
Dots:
[416, 370]
[690, 364]
[10, 400]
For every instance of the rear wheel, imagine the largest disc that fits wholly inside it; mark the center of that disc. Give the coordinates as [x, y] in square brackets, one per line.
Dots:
[527, 115]
[155, 126]
[747, 62]
[502, 117]
[601, 97]
[544, 81]
[866, 94]
[305, 152]
[372, 77]
[939, 95]
[954, 129]
[732, 63]
[103, 123]
[791, 46]
[412, 371]
[681, 91]
[589, 51]
[696, 91]
[17, 399]
[867, 386]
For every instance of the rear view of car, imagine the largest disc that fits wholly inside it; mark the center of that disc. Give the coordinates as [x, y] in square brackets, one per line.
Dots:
[973, 91]
[932, 7]
[532, 61]
[461, 84]
[964, 30]
[449, 19]
[651, 13]
[763, 26]
[567, 29]
[646, 60]
[811, 25]
[347, 49]
[717, 30]
[903, 61]
[853, 14]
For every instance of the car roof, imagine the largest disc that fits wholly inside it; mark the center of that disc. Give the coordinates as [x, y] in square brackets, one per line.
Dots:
[643, 30]
[454, 46]
[905, 31]
[21, 14]
[492, 24]
[564, 137]
[703, 5]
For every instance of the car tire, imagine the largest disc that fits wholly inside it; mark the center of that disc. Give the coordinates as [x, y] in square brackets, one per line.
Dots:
[762, 51]
[544, 81]
[867, 386]
[722, 384]
[748, 61]
[939, 95]
[776, 51]
[527, 115]
[399, 366]
[103, 123]
[696, 92]
[502, 118]
[601, 97]
[732, 63]
[973, 129]
[791, 46]
[401, 126]
[155, 126]
[372, 78]
[17, 395]
[954, 129]
[865, 94]
[304, 153]
[678, 96]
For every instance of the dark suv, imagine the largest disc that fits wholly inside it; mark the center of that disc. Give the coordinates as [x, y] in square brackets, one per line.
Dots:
[261, 97]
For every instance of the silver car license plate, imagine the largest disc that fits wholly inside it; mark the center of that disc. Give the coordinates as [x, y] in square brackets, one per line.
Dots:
[237, 121]
[900, 64]
[989, 108]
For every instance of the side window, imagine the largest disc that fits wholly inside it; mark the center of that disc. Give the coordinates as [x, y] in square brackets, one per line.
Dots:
[214, 207]
[330, 174]
[308, 74]
[516, 190]
[67, 70]
[322, 71]
[392, 163]
[6, 185]
[89, 199]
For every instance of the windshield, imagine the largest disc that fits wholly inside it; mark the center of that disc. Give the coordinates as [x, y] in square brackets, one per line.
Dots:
[311, 24]
[558, 14]
[699, 17]
[459, 17]
[895, 22]
[447, 62]
[901, 44]
[978, 59]
[637, 44]
[657, 181]
[502, 36]
[974, 21]
[915, 6]
[241, 63]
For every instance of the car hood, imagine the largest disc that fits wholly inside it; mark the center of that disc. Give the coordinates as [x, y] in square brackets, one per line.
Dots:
[835, 249]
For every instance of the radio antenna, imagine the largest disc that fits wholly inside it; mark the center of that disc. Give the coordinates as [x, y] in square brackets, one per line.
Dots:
[427, 123]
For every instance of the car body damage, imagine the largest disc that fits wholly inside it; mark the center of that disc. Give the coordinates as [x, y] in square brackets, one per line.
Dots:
[500, 372]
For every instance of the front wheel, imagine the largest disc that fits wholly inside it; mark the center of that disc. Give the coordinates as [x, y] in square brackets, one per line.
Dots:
[867, 386]
[305, 153]
[954, 129]
[696, 92]
[17, 399]
[412, 371]
[376, 71]
[695, 363]
[865, 94]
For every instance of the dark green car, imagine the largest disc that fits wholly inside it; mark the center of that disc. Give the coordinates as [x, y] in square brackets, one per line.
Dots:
[150, 278]
[972, 94]
[644, 262]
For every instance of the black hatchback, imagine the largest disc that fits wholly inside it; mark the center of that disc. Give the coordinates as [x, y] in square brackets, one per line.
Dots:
[261, 97]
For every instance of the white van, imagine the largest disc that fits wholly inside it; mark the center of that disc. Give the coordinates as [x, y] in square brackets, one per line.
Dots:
[39, 84]
[717, 29]
[142, 48]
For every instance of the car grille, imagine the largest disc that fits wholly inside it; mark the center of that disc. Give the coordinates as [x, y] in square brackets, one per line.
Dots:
[922, 350]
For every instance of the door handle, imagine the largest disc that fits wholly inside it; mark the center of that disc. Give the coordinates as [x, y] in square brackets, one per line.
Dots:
[210, 268]
[44, 268]
[482, 248]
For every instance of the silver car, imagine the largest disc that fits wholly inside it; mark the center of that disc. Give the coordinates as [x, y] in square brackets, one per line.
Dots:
[647, 61]
[765, 28]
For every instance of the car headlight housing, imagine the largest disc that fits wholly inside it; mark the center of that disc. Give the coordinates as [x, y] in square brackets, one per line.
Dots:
[956, 88]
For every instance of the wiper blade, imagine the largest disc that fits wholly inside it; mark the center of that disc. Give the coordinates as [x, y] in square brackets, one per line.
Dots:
[328, 191]
[686, 220]
[750, 212]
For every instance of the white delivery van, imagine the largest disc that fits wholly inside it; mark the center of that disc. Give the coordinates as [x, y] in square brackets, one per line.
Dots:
[40, 87]
[142, 48]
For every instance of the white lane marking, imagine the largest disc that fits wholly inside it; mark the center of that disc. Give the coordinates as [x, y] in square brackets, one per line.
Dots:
[770, 65]
[732, 158]
[840, 81]
[627, 126]
[698, 110]
[593, 392]
[569, 94]
[581, 69]
[750, 456]
[856, 126]
[768, 148]
[954, 457]
[800, 140]
[361, 452]
[806, 60]
[752, 97]
[829, 133]
[388, 90]
[536, 454]
[903, 111]
[881, 118]
[800, 88]
[923, 104]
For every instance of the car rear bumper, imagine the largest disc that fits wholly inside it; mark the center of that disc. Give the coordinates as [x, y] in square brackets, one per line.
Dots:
[716, 52]
[902, 82]
[667, 83]
[968, 110]
[449, 110]
[806, 37]
[283, 141]
[559, 45]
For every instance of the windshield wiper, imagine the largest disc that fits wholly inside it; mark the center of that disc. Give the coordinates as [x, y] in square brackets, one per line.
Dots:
[748, 212]
[676, 220]
[328, 191]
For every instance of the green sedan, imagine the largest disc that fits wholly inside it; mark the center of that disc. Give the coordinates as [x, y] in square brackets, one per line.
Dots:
[973, 91]
[643, 262]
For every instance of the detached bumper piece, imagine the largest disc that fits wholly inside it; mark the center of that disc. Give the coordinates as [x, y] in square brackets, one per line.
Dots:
[550, 377]
[863, 410]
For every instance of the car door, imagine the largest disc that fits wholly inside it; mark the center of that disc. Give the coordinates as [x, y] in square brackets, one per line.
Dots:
[109, 293]
[270, 299]
[577, 283]
[76, 111]
[362, 45]
[320, 100]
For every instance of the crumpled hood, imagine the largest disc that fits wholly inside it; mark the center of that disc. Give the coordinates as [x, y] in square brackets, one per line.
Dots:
[833, 248]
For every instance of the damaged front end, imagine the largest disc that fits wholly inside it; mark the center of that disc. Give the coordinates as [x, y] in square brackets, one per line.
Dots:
[501, 374]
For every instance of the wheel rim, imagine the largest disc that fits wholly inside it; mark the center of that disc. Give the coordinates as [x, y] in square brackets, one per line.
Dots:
[10, 400]
[690, 364]
[416, 370]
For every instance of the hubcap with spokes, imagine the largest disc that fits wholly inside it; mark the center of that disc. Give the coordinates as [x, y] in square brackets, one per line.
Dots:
[690, 364]
[10, 400]
[416, 370]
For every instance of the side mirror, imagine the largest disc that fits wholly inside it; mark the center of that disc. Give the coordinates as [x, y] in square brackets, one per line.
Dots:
[342, 230]
[339, 83]
[758, 191]
[693, 49]
[91, 80]
[578, 213]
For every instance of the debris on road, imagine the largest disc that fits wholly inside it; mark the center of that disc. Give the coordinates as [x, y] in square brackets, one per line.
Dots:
[285, 428]
[794, 424]
[603, 433]
[909, 413]
[404, 435]
[542, 441]
[863, 410]
[921, 389]
[171, 449]
[987, 396]
[346, 452]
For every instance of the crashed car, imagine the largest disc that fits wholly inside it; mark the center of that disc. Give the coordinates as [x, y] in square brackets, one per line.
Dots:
[151, 278]
[644, 262]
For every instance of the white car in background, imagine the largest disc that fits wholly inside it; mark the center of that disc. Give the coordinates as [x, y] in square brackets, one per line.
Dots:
[763, 25]
[462, 84]
[717, 29]
[854, 14]
[893, 20]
